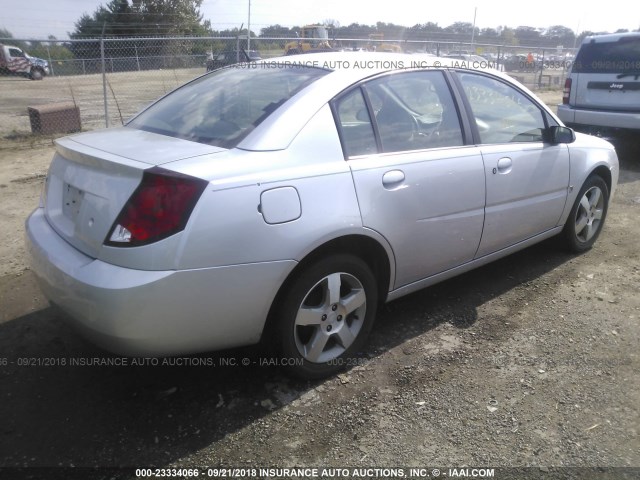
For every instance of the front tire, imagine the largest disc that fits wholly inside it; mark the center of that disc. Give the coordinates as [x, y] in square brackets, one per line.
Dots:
[36, 74]
[326, 316]
[587, 216]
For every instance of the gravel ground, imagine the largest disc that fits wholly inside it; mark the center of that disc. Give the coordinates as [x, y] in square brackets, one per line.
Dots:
[529, 361]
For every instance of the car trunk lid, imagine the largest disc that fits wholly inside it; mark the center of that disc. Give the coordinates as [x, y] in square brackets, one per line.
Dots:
[93, 175]
[142, 146]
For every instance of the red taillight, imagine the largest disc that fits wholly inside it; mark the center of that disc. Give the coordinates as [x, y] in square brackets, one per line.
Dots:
[159, 207]
[566, 92]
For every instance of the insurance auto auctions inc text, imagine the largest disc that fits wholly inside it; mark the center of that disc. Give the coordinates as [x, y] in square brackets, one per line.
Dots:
[366, 64]
[351, 473]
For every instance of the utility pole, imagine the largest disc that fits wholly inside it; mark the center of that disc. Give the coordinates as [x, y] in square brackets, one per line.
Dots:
[473, 32]
[249, 28]
[104, 77]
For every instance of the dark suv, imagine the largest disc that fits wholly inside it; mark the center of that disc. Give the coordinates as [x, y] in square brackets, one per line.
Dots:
[603, 88]
[222, 59]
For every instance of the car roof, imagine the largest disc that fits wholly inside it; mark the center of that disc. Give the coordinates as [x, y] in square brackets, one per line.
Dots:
[610, 37]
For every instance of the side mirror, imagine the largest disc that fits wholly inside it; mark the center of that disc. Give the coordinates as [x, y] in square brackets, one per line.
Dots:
[558, 134]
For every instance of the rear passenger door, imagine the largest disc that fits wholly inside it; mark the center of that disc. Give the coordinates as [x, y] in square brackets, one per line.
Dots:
[417, 182]
[527, 178]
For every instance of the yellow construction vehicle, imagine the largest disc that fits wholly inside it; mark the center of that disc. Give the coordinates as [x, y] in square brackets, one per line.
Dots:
[311, 38]
[376, 44]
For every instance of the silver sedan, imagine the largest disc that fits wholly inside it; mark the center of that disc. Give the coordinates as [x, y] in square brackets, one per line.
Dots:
[284, 201]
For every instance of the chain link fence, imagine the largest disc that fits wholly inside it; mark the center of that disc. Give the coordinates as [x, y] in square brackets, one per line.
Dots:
[95, 83]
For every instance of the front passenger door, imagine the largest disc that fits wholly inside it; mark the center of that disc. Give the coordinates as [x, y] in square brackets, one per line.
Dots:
[527, 178]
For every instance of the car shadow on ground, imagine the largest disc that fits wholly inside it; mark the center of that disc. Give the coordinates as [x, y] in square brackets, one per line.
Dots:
[628, 149]
[456, 301]
[58, 414]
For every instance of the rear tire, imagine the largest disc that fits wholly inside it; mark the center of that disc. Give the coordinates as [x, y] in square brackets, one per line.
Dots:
[325, 316]
[587, 216]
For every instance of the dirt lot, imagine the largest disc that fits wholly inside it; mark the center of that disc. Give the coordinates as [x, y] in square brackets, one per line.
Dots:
[530, 361]
[127, 93]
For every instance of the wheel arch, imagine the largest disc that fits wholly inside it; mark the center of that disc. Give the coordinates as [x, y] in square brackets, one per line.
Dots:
[579, 240]
[370, 250]
[603, 172]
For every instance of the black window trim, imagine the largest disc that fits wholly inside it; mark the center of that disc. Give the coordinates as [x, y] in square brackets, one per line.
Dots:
[333, 104]
[372, 118]
[466, 126]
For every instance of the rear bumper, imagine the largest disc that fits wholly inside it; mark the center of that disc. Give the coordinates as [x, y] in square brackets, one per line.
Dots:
[136, 312]
[598, 118]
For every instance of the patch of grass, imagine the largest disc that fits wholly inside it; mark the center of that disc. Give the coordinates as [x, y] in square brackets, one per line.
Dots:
[22, 140]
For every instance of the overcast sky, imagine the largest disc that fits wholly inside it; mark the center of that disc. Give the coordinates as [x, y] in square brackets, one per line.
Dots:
[40, 18]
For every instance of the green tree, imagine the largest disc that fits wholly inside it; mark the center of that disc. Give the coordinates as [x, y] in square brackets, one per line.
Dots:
[355, 30]
[136, 18]
[391, 31]
[527, 35]
[424, 31]
[330, 23]
[173, 17]
[277, 30]
[460, 28]
[489, 33]
[4, 33]
[508, 36]
[54, 49]
[559, 35]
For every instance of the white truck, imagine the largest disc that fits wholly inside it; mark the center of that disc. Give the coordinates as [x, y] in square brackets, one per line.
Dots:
[14, 61]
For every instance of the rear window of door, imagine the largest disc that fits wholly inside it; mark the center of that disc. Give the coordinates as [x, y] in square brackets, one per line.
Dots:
[407, 111]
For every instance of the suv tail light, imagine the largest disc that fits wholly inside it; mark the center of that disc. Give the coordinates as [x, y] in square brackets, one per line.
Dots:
[158, 208]
[566, 92]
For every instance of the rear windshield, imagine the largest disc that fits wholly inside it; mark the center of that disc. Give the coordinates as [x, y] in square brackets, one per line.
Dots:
[223, 107]
[622, 56]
